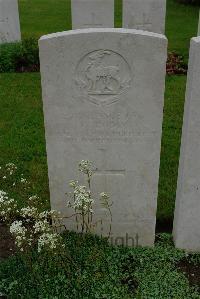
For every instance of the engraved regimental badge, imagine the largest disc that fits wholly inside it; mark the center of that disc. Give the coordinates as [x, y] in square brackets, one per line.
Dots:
[101, 76]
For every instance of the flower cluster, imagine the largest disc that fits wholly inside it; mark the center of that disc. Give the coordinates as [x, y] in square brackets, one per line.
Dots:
[11, 168]
[29, 212]
[19, 231]
[23, 180]
[82, 198]
[49, 241]
[85, 167]
[8, 173]
[35, 229]
[104, 198]
[7, 206]
[41, 226]
[33, 200]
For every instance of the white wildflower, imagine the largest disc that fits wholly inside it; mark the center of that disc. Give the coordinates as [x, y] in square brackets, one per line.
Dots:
[23, 180]
[82, 198]
[48, 240]
[73, 183]
[41, 226]
[43, 215]
[31, 212]
[104, 196]
[85, 167]
[33, 198]
[7, 205]
[11, 167]
[19, 231]
[54, 214]
[3, 195]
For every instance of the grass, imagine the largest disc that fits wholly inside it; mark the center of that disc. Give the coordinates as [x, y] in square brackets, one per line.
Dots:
[39, 17]
[22, 134]
[100, 271]
[172, 129]
[181, 25]
[21, 128]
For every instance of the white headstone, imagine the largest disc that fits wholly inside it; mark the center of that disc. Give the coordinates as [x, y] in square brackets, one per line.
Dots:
[9, 21]
[187, 211]
[146, 15]
[92, 14]
[198, 33]
[103, 93]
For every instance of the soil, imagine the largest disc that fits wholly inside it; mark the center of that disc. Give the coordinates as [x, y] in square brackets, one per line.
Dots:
[28, 69]
[164, 226]
[7, 245]
[175, 65]
[191, 271]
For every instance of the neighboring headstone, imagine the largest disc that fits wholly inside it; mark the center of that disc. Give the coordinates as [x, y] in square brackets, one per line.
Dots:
[187, 212]
[92, 13]
[9, 21]
[146, 15]
[198, 33]
[103, 93]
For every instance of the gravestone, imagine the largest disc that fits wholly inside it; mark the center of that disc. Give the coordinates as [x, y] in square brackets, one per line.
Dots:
[187, 212]
[9, 21]
[92, 14]
[198, 33]
[103, 93]
[146, 15]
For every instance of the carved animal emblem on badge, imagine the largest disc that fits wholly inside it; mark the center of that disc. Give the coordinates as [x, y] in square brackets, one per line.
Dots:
[102, 76]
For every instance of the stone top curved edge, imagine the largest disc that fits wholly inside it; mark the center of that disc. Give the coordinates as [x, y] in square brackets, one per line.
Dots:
[196, 39]
[102, 30]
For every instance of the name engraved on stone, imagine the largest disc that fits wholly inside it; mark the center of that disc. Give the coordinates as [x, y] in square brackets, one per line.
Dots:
[119, 125]
[102, 75]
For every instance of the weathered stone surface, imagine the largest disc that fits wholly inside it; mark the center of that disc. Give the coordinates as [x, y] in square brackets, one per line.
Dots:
[103, 93]
[146, 15]
[187, 212]
[9, 21]
[92, 14]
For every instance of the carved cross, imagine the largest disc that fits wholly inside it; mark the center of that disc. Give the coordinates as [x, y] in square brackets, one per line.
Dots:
[144, 22]
[93, 22]
[104, 171]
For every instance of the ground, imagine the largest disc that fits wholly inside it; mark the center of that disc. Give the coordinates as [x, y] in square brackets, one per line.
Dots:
[22, 141]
